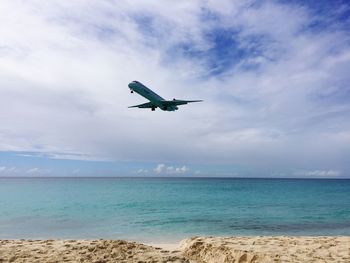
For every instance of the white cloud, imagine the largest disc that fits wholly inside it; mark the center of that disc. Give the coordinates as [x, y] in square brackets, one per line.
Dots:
[11, 169]
[142, 171]
[36, 171]
[8, 170]
[163, 169]
[318, 173]
[33, 170]
[160, 168]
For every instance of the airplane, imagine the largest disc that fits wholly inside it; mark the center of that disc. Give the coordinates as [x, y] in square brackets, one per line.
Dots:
[155, 101]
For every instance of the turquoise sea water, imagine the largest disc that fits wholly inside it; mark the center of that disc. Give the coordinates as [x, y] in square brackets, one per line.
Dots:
[169, 209]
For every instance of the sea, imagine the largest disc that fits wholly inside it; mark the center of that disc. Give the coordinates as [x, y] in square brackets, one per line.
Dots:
[166, 210]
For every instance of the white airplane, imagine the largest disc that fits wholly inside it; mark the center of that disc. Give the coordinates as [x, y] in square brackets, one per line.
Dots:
[156, 101]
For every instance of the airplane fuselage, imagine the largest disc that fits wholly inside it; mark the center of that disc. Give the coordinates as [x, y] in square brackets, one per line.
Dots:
[153, 97]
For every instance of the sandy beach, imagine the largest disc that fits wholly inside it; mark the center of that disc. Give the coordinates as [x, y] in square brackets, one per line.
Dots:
[196, 249]
[267, 249]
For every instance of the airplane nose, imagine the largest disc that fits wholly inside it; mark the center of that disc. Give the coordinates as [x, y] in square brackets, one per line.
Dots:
[130, 85]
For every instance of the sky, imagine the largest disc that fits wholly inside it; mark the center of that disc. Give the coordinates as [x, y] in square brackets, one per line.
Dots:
[274, 77]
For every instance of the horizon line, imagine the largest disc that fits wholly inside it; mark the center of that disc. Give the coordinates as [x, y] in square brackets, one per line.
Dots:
[173, 177]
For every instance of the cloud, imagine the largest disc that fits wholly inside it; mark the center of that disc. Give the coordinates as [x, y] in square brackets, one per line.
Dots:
[177, 170]
[273, 76]
[8, 170]
[20, 171]
[37, 170]
[142, 171]
[160, 168]
[163, 169]
[33, 170]
[318, 173]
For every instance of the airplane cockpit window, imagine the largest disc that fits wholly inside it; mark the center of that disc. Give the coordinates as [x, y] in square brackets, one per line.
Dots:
[136, 81]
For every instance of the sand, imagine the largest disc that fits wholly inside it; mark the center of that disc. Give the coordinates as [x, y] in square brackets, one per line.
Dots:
[267, 249]
[192, 250]
[97, 251]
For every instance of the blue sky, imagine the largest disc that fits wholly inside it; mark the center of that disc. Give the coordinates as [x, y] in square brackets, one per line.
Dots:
[273, 76]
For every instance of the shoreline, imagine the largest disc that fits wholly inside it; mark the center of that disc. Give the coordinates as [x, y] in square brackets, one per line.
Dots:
[195, 249]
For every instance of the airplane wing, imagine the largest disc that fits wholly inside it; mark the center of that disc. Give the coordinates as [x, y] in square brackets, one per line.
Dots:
[175, 102]
[144, 105]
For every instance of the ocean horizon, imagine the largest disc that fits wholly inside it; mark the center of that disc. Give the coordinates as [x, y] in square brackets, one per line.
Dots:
[168, 209]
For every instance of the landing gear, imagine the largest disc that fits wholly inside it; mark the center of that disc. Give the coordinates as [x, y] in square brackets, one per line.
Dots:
[131, 91]
[153, 108]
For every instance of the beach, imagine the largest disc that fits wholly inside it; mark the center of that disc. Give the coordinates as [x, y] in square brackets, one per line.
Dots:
[174, 131]
[195, 249]
[174, 220]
